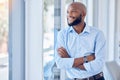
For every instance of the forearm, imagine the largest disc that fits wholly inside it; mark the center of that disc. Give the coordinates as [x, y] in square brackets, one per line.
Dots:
[81, 67]
[80, 61]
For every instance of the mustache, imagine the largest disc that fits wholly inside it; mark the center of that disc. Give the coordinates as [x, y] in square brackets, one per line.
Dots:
[71, 17]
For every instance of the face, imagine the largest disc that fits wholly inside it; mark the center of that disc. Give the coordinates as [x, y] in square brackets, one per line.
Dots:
[77, 21]
[74, 16]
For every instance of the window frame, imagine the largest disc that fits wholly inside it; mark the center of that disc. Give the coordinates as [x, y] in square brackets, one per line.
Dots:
[117, 30]
[34, 40]
[25, 40]
[16, 41]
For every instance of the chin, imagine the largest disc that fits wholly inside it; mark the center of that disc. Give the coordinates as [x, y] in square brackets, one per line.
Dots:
[70, 22]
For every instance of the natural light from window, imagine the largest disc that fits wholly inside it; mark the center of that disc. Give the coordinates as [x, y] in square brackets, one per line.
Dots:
[3, 39]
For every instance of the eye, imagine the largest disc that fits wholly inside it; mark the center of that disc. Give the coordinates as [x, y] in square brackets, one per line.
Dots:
[67, 12]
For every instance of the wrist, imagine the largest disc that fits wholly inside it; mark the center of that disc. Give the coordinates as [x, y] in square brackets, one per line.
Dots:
[90, 57]
[85, 59]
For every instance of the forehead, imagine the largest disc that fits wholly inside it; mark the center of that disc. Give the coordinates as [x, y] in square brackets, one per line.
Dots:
[74, 7]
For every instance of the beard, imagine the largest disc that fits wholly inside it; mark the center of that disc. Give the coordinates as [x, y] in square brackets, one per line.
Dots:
[76, 21]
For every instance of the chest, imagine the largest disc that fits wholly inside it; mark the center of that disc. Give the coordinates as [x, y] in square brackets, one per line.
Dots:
[80, 45]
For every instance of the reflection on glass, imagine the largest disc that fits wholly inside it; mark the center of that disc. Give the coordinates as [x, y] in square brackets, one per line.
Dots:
[50, 71]
[48, 40]
[3, 39]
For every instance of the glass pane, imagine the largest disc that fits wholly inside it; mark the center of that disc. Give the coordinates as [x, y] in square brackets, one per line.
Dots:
[119, 44]
[3, 39]
[48, 40]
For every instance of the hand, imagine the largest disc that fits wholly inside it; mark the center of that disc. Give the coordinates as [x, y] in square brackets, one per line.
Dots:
[62, 52]
[91, 57]
[81, 67]
[80, 60]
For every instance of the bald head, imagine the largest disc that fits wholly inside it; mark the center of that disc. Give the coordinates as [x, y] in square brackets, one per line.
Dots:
[80, 6]
[76, 13]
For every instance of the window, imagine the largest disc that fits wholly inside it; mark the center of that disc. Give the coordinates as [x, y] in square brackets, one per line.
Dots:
[119, 49]
[48, 38]
[4, 40]
[118, 31]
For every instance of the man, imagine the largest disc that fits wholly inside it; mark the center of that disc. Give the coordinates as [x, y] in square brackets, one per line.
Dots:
[80, 48]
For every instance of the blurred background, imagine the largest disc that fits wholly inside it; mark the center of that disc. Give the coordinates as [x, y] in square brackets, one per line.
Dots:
[18, 27]
[3, 39]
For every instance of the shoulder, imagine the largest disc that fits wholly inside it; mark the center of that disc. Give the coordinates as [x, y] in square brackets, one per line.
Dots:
[98, 33]
[95, 30]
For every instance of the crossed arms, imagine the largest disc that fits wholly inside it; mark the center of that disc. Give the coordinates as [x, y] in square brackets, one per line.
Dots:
[95, 62]
[78, 62]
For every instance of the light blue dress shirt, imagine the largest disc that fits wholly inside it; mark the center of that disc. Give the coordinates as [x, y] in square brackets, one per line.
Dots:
[91, 40]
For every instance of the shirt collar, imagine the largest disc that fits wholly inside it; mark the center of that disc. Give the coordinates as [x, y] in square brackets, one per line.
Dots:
[71, 29]
[86, 29]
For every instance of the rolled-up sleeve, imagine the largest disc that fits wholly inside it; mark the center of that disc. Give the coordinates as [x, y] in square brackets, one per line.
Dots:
[63, 63]
[98, 63]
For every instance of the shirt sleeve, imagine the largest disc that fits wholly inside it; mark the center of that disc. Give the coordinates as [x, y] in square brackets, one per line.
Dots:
[62, 63]
[97, 64]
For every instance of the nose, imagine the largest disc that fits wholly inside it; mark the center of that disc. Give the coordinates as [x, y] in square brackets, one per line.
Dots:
[70, 16]
[69, 13]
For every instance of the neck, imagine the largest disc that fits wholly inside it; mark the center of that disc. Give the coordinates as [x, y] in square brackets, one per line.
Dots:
[79, 28]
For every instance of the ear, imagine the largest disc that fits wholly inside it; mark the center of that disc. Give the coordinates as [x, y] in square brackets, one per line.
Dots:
[83, 13]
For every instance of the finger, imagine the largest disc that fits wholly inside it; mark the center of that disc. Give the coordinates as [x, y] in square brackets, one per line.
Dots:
[61, 50]
[64, 49]
[60, 54]
[65, 52]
